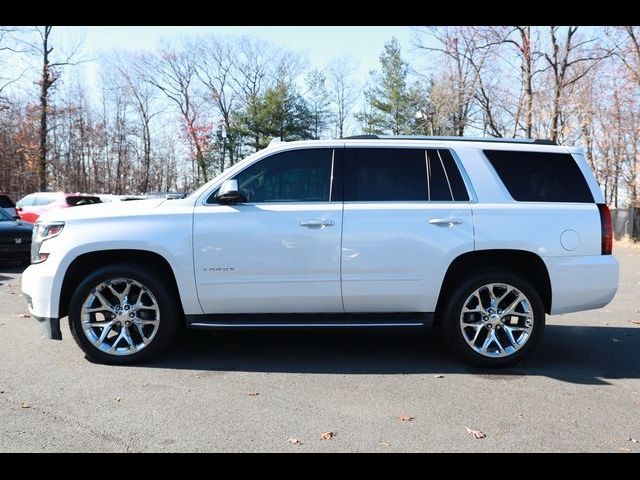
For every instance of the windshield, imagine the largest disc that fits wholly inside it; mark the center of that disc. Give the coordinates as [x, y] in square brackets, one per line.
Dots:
[4, 216]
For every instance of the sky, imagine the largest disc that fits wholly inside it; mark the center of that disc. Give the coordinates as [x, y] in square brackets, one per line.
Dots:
[320, 44]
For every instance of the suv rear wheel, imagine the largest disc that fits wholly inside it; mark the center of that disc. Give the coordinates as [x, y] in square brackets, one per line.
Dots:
[494, 319]
[122, 314]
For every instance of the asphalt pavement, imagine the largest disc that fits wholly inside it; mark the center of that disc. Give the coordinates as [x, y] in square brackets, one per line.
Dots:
[373, 391]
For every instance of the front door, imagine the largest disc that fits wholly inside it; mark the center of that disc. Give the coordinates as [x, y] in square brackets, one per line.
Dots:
[279, 251]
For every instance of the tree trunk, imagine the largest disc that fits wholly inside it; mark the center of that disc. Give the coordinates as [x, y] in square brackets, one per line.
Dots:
[527, 72]
[45, 83]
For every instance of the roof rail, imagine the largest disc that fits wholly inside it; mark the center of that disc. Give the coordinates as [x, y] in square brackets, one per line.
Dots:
[538, 141]
[274, 141]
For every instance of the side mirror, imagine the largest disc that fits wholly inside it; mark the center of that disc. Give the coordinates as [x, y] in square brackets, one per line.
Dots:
[229, 193]
[18, 209]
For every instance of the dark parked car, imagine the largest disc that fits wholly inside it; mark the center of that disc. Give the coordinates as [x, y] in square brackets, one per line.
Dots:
[15, 239]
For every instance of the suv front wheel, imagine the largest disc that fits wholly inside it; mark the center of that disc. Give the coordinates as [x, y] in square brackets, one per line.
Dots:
[494, 319]
[123, 314]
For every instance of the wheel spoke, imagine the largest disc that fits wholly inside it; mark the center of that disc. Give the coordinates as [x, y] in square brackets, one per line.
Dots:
[117, 340]
[106, 328]
[103, 300]
[487, 341]
[127, 336]
[141, 332]
[513, 305]
[125, 294]
[510, 336]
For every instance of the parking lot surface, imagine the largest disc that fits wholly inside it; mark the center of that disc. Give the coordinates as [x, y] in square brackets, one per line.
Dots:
[374, 391]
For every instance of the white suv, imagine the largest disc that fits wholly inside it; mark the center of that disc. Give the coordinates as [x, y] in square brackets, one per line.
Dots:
[481, 237]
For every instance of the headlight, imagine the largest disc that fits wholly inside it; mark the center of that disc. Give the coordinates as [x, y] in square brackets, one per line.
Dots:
[42, 232]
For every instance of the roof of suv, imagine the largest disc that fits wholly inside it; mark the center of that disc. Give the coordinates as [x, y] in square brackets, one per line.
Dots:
[539, 141]
[492, 143]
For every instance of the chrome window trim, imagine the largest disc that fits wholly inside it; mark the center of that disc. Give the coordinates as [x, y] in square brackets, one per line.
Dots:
[473, 198]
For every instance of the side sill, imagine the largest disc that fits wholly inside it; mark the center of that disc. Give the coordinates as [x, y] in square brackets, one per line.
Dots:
[306, 320]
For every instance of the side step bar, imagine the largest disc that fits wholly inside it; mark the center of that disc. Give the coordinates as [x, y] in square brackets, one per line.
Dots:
[306, 320]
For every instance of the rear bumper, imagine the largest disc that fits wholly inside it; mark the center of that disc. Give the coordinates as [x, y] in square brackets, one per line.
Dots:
[582, 282]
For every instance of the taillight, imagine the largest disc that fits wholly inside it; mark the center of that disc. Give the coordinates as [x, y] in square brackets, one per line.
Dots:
[607, 229]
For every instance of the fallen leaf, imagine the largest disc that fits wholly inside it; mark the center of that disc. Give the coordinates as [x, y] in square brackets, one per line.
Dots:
[253, 394]
[616, 340]
[605, 323]
[637, 322]
[384, 444]
[475, 433]
[118, 399]
[327, 435]
[294, 441]
[439, 376]
[632, 440]
[24, 315]
[25, 405]
[405, 418]
[624, 449]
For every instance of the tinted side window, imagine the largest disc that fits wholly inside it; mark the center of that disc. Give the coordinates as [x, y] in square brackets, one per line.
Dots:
[439, 189]
[295, 176]
[456, 183]
[385, 174]
[540, 177]
[77, 201]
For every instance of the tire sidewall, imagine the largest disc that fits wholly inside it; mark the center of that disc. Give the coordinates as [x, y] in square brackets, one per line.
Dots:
[167, 304]
[451, 319]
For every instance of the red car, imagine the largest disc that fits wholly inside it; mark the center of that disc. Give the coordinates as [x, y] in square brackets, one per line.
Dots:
[32, 206]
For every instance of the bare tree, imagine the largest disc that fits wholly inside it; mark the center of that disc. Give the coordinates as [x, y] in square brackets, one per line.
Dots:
[215, 70]
[49, 74]
[569, 60]
[127, 73]
[464, 53]
[173, 72]
[343, 90]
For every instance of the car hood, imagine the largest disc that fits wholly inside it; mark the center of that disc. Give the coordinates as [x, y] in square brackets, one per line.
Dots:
[103, 210]
[14, 227]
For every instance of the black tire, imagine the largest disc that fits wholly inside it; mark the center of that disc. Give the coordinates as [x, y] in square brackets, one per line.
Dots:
[453, 308]
[165, 296]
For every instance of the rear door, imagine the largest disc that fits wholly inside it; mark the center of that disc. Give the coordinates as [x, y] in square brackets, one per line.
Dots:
[407, 215]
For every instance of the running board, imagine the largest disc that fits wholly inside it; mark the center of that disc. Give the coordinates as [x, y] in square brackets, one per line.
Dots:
[306, 320]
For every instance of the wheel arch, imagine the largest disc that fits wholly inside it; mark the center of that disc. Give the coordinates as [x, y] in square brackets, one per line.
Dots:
[524, 263]
[84, 264]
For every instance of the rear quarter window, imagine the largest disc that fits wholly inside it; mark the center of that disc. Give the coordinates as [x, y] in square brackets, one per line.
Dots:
[77, 201]
[540, 176]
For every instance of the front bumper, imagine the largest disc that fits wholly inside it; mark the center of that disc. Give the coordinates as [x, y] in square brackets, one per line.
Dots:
[42, 297]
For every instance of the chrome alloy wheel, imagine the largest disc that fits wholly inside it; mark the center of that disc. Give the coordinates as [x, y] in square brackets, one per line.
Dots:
[496, 320]
[120, 316]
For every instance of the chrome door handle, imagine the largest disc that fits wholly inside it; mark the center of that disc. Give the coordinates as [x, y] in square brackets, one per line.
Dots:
[317, 223]
[445, 221]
